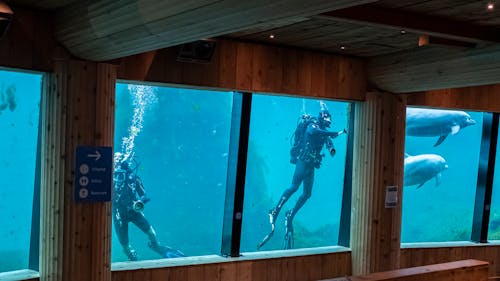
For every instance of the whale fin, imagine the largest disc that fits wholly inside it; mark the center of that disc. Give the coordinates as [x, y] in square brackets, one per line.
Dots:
[438, 179]
[440, 140]
[455, 129]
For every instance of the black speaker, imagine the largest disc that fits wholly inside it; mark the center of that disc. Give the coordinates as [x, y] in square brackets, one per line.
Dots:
[6, 15]
[200, 51]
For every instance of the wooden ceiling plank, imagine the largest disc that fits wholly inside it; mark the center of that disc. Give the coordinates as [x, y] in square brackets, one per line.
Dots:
[99, 41]
[417, 23]
[434, 68]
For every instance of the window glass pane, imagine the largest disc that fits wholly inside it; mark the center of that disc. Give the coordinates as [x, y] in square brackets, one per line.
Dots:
[19, 113]
[274, 120]
[176, 141]
[441, 166]
[494, 227]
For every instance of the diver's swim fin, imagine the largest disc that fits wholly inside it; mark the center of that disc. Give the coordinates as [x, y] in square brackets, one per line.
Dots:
[165, 251]
[173, 253]
[272, 220]
[288, 240]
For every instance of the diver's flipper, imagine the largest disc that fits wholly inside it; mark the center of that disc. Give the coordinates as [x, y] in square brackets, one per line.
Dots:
[166, 252]
[266, 238]
[173, 253]
[420, 185]
[440, 140]
[272, 221]
[288, 241]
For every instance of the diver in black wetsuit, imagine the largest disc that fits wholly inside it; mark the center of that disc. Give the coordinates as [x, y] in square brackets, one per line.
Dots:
[307, 159]
[128, 203]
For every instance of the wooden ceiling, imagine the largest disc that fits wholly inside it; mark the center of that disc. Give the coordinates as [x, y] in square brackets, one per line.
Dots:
[454, 34]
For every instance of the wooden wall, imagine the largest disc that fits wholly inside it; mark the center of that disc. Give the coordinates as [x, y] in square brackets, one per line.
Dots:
[75, 238]
[29, 41]
[280, 269]
[424, 256]
[253, 67]
[377, 163]
[482, 98]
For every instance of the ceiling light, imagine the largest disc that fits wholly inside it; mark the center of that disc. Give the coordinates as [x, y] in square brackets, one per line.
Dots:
[490, 6]
[6, 15]
[342, 47]
[271, 36]
[403, 32]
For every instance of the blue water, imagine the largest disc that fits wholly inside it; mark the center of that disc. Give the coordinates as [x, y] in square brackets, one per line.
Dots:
[435, 213]
[19, 113]
[269, 173]
[182, 145]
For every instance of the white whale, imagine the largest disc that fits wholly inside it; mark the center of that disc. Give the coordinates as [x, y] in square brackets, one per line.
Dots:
[421, 168]
[422, 122]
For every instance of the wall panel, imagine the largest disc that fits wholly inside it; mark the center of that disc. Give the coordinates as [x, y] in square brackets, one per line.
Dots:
[482, 98]
[424, 256]
[254, 67]
[277, 269]
[29, 41]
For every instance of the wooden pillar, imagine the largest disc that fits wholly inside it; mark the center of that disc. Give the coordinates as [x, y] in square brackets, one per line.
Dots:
[78, 109]
[377, 162]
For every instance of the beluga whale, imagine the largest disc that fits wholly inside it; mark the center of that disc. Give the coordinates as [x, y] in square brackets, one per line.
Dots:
[421, 122]
[421, 168]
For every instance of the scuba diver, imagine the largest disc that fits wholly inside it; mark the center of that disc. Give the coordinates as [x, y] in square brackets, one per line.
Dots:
[128, 204]
[309, 138]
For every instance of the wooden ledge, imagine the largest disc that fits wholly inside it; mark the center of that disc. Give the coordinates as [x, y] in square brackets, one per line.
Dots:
[463, 270]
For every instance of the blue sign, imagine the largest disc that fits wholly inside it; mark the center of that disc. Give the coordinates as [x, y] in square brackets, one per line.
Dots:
[93, 173]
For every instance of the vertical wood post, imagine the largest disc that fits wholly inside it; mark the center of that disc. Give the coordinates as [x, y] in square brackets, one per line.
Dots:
[377, 162]
[78, 109]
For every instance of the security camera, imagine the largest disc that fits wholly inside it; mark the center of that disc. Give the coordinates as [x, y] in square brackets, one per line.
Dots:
[6, 15]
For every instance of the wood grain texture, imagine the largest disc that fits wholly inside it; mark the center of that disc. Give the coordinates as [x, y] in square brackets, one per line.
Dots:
[430, 255]
[111, 29]
[76, 237]
[464, 270]
[278, 269]
[483, 98]
[429, 68]
[254, 67]
[29, 42]
[377, 163]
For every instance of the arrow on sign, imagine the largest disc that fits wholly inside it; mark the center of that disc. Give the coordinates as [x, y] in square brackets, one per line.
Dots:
[97, 155]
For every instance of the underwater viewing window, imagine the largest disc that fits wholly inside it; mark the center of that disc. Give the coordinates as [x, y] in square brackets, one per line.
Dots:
[171, 161]
[295, 173]
[442, 154]
[20, 94]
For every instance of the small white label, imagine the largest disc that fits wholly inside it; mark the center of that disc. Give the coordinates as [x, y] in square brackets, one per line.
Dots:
[391, 196]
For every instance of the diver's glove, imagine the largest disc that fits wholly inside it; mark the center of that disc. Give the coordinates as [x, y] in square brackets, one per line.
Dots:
[336, 134]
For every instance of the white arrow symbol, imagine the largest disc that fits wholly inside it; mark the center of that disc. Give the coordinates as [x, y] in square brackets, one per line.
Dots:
[97, 155]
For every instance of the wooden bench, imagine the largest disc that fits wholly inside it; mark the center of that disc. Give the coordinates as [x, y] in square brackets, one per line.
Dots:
[464, 270]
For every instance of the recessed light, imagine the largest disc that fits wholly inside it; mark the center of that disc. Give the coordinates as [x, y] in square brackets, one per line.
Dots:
[403, 32]
[491, 6]
[342, 47]
[271, 36]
